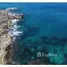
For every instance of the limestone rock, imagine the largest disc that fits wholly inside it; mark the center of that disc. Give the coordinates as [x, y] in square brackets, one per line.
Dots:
[5, 38]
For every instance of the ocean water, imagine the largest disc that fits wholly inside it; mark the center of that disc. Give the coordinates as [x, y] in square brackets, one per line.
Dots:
[44, 31]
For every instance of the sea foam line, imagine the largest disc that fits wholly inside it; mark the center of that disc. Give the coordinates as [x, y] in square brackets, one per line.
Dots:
[13, 31]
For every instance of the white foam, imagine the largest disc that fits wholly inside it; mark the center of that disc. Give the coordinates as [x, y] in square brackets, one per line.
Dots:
[14, 32]
[12, 13]
[14, 21]
[10, 8]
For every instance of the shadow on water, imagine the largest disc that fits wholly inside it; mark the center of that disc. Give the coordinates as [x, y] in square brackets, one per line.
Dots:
[30, 31]
[53, 40]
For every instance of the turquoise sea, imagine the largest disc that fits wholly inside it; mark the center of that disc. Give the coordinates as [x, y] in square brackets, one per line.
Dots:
[44, 31]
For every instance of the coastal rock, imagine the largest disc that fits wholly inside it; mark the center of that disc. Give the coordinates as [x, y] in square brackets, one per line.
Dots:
[5, 38]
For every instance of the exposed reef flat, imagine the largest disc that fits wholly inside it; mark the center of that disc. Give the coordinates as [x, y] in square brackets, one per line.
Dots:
[5, 39]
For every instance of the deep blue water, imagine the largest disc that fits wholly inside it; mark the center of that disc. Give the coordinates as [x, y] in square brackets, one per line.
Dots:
[41, 19]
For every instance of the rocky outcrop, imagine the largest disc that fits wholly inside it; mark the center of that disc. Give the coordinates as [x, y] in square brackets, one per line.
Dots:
[5, 38]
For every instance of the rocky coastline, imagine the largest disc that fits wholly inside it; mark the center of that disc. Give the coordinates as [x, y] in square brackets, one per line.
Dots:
[5, 38]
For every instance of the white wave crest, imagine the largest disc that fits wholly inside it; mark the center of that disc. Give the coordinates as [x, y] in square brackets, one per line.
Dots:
[11, 11]
[15, 33]
[14, 21]
[14, 29]
[10, 8]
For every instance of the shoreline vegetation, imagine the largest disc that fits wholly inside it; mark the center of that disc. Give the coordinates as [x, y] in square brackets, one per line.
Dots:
[5, 38]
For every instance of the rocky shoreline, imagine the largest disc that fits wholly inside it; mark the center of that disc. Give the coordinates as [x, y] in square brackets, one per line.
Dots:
[5, 38]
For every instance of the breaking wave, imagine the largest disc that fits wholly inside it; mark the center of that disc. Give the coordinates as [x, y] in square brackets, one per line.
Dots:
[11, 9]
[14, 32]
